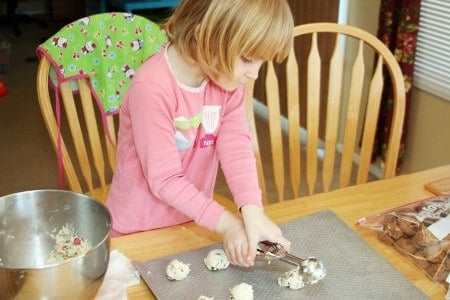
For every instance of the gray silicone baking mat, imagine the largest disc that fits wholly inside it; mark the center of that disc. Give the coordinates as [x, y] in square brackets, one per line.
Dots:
[354, 269]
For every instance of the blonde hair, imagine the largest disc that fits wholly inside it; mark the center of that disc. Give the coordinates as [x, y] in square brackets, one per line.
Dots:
[214, 33]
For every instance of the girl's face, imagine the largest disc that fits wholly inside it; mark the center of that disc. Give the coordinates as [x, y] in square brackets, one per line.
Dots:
[245, 68]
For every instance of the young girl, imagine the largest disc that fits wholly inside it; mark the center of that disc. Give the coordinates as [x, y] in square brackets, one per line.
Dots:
[184, 113]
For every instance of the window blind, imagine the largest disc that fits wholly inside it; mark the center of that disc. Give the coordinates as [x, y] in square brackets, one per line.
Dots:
[432, 64]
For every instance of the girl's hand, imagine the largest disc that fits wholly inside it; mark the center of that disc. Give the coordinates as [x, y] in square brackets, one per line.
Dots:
[258, 228]
[234, 237]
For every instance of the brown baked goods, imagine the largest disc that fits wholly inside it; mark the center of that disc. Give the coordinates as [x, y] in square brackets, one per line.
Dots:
[423, 237]
[420, 260]
[441, 273]
[434, 253]
[407, 245]
[393, 230]
[407, 228]
[384, 238]
[408, 224]
[447, 262]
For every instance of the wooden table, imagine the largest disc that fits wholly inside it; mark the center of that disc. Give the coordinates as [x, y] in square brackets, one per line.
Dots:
[350, 204]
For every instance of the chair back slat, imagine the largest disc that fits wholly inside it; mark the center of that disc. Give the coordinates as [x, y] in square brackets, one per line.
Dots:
[79, 144]
[293, 113]
[333, 114]
[352, 116]
[276, 136]
[111, 137]
[92, 126]
[312, 113]
[250, 115]
[370, 123]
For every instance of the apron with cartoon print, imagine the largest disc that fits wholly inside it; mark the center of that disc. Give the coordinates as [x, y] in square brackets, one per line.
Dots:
[106, 49]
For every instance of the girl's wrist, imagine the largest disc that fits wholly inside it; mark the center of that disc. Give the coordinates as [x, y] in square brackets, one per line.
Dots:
[225, 221]
[251, 209]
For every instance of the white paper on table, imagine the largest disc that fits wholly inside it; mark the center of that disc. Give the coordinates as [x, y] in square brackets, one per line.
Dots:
[120, 274]
[441, 228]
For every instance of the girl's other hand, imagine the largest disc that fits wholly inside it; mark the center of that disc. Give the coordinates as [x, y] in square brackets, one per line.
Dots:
[258, 228]
[234, 237]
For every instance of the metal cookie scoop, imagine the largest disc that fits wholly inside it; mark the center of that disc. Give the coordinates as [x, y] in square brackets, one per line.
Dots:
[273, 251]
[311, 268]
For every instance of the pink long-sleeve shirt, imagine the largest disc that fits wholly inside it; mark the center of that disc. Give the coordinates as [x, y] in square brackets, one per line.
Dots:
[171, 140]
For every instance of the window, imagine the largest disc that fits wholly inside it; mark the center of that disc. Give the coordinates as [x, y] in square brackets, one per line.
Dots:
[432, 65]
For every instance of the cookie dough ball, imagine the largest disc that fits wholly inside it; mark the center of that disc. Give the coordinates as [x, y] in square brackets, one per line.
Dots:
[242, 291]
[177, 270]
[313, 270]
[205, 298]
[216, 260]
[292, 279]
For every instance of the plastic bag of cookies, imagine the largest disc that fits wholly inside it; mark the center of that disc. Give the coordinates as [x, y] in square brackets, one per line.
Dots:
[419, 230]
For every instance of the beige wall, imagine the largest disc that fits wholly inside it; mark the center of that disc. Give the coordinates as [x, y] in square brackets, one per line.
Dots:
[428, 136]
[428, 140]
[363, 14]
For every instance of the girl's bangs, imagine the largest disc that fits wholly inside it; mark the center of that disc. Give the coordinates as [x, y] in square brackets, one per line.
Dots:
[269, 46]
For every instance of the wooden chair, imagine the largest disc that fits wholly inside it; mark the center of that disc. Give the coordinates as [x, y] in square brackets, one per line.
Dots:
[86, 149]
[78, 89]
[328, 104]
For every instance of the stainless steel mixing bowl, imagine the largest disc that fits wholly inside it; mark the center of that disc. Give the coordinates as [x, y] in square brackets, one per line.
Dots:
[27, 221]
